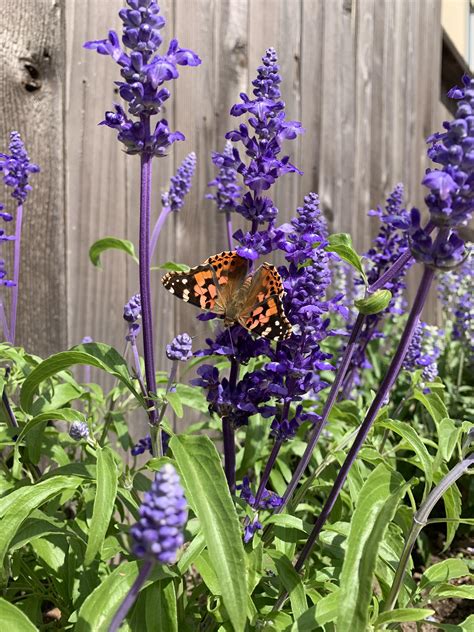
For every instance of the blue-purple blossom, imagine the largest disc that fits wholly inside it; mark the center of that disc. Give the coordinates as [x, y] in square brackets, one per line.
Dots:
[180, 184]
[227, 193]
[3, 237]
[158, 534]
[142, 445]
[79, 430]
[17, 167]
[251, 528]
[269, 499]
[144, 73]
[132, 309]
[180, 348]
[450, 200]
[456, 293]
[424, 351]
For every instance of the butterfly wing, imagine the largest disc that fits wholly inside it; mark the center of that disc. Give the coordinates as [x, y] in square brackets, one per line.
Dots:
[263, 312]
[209, 285]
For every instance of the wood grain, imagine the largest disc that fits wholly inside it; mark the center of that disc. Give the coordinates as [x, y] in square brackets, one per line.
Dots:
[32, 93]
[363, 76]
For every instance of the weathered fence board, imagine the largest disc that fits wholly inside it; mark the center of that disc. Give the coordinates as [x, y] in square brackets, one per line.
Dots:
[363, 76]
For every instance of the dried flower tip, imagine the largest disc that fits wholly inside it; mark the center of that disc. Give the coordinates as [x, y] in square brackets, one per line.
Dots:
[159, 533]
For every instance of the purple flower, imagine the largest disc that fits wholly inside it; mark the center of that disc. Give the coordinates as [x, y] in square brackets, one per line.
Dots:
[159, 533]
[269, 499]
[442, 253]
[180, 348]
[133, 309]
[16, 168]
[78, 430]
[455, 291]
[251, 528]
[451, 188]
[144, 72]
[227, 194]
[142, 445]
[180, 184]
[424, 351]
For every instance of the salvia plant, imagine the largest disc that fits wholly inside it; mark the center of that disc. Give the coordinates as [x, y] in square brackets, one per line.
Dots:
[321, 481]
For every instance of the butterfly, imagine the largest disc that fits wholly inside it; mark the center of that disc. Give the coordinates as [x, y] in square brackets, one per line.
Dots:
[222, 285]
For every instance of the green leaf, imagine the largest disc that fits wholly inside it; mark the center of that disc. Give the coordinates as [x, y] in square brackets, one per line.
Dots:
[377, 504]
[320, 614]
[374, 303]
[172, 266]
[17, 506]
[174, 401]
[191, 553]
[292, 583]
[98, 609]
[443, 572]
[94, 354]
[448, 435]
[452, 506]
[66, 414]
[103, 503]
[160, 611]
[341, 244]
[449, 591]
[13, 619]
[193, 397]
[413, 438]
[208, 494]
[403, 614]
[110, 243]
[433, 404]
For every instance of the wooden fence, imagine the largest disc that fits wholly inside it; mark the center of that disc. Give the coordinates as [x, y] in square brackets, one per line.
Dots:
[363, 76]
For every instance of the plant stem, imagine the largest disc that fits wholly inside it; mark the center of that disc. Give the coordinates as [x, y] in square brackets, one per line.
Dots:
[3, 321]
[314, 436]
[136, 362]
[267, 471]
[385, 387]
[9, 410]
[228, 432]
[420, 519]
[130, 597]
[228, 223]
[16, 272]
[165, 211]
[144, 267]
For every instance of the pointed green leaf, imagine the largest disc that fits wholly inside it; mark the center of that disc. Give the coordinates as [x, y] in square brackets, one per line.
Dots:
[341, 244]
[172, 266]
[19, 504]
[98, 609]
[160, 611]
[377, 504]
[94, 354]
[402, 615]
[292, 583]
[208, 494]
[174, 401]
[433, 404]
[14, 619]
[110, 243]
[103, 503]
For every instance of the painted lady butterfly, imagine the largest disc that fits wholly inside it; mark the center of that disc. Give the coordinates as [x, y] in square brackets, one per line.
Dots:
[223, 286]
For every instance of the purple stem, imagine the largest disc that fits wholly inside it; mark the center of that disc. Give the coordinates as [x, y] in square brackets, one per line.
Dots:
[267, 471]
[144, 271]
[16, 272]
[385, 387]
[130, 597]
[313, 438]
[165, 211]
[8, 408]
[228, 433]
[228, 222]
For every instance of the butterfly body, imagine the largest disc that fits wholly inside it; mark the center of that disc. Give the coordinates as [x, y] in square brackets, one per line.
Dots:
[223, 286]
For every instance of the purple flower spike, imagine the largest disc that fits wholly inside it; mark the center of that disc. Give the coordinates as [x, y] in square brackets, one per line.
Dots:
[143, 70]
[424, 351]
[79, 430]
[133, 309]
[17, 168]
[180, 348]
[227, 192]
[180, 184]
[159, 533]
[142, 446]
